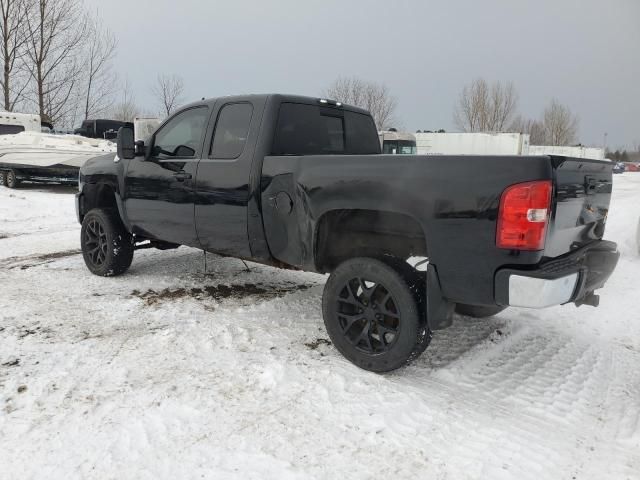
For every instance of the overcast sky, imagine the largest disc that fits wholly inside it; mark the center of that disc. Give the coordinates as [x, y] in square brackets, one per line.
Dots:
[586, 53]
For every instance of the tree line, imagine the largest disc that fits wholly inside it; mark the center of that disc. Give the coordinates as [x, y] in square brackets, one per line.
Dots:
[480, 107]
[621, 155]
[492, 107]
[57, 61]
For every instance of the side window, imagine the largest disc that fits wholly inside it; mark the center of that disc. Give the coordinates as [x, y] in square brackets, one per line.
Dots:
[11, 129]
[181, 136]
[232, 130]
[308, 130]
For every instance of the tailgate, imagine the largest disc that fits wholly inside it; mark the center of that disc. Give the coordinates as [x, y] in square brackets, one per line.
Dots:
[581, 204]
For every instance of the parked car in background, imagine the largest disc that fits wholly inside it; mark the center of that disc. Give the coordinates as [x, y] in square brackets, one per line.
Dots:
[619, 167]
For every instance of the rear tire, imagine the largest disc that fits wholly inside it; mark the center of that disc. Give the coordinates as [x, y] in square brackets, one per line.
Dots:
[12, 179]
[3, 179]
[476, 311]
[107, 247]
[373, 316]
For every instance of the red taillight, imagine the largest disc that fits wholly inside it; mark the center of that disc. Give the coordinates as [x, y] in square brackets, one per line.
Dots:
[524, 215]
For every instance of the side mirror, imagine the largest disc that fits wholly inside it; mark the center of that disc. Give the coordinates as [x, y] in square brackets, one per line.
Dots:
[126, 147]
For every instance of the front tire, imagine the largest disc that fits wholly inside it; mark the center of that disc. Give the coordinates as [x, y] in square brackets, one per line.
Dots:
[11, 179]
[107, 247]
[372, 315]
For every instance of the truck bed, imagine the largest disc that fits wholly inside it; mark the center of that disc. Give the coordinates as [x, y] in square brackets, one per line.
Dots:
[453, 199]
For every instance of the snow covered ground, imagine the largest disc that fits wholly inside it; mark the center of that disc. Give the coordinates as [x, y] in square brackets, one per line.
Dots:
[174, 372]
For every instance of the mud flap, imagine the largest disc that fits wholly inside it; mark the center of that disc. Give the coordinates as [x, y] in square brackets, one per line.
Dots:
[439, 310]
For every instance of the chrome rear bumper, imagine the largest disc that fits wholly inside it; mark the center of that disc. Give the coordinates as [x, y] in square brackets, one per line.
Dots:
[570, 278]
[532, 292]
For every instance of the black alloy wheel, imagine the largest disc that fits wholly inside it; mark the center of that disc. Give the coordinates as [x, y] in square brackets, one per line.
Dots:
[107, 247]
[372, 310]
[95, 239]
[368, 315]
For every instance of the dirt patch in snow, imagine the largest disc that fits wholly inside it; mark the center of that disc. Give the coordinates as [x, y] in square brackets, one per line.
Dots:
[317, 342]
[219, 292]
[34, 260]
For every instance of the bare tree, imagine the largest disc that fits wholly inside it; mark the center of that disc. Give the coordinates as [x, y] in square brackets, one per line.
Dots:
[371, 96]
[486, 108]
[14, 37]
[168, 91]
[560, 125]
[56, 29]
[99, 77]
[534, 128]
[126, 109]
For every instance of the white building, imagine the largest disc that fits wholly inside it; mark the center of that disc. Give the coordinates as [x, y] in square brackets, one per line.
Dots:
[595, 153]
[472, 143]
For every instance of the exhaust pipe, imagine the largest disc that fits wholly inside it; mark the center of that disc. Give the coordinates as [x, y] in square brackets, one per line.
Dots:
[590, 299]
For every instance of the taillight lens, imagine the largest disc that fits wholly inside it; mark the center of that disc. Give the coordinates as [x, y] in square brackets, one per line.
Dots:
[524, 216]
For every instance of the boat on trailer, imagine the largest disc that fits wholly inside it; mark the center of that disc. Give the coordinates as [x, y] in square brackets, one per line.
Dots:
[42, 157]
[28, 152]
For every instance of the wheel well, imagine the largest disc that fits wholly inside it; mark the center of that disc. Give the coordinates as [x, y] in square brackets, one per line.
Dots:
[98, 195]
[344, 234]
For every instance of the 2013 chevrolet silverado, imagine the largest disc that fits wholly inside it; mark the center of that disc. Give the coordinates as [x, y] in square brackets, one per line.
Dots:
[297, 182]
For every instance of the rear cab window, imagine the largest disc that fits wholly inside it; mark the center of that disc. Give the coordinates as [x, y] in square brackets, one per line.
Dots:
[231, 131]
[304, 129]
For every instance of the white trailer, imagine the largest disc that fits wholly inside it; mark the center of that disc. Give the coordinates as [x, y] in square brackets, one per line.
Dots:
[144, 127]
[595, 153]
[472, 143]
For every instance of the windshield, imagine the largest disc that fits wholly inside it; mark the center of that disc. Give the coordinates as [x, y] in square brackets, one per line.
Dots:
[400, 147]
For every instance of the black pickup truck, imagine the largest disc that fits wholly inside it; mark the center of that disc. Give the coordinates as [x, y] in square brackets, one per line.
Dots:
[297, 182]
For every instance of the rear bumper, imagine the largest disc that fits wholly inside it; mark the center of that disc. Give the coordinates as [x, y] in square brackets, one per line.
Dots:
[570, 278]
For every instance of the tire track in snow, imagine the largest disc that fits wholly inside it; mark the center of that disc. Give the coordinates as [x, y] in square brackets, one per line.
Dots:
[30, 261]
[547, 392]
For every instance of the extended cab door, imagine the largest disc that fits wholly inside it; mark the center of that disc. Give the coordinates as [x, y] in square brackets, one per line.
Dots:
[223, 178]
[159, 199]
